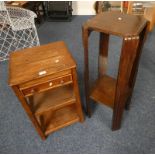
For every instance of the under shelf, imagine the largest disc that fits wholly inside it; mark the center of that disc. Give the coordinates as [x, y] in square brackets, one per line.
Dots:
[103, 91]
[54, 120]
[52, 99]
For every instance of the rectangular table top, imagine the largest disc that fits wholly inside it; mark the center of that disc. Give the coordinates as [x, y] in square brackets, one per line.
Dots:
[36, 62]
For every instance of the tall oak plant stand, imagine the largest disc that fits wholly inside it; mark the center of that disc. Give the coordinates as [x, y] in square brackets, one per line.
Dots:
[44, 79]
[115, 93]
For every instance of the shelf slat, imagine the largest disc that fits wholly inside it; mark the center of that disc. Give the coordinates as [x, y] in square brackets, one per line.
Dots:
[52, 99]
[54, 120]
[103, 91]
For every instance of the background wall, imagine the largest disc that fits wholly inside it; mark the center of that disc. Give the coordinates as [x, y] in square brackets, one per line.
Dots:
[83, 7]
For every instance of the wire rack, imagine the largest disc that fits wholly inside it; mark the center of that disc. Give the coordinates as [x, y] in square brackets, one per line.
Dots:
[17, 30]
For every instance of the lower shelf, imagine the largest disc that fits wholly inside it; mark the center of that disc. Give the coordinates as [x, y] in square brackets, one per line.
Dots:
[52, 99]
[103, 90]
[54, 120]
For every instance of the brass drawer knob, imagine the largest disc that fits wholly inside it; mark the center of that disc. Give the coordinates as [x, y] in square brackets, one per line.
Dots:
[50, 84]
[57, 60]
[119, 18]
[32, 90]
[62, 81]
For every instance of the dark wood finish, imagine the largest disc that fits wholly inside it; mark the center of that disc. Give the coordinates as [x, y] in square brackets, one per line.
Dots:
[103, 53]
[134, 71]
[115, 93]
[103, 90]
[85, 34]
[45, 81]
[128, 55]
[116, 23]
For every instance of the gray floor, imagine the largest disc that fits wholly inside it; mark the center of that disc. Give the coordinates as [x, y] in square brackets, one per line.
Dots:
[137, 134]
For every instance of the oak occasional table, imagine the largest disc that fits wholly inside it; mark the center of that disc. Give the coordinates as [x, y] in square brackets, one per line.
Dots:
[115, 93]
[44, 79]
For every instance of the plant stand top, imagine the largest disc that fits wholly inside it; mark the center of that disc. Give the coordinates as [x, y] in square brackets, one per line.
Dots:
[116, 23]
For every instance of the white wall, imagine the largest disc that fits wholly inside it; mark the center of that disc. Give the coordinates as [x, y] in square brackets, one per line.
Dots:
[83, 7]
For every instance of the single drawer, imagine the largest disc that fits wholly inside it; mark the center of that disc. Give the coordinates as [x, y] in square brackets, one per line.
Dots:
[43, 79]
[48, 85]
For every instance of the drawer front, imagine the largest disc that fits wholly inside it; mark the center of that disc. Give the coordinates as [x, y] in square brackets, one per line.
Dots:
[48, 85]
[43, 79]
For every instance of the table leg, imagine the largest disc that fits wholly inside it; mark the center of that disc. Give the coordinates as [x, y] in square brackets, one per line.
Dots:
[29, 112]
[103, 53]
[77, 94]
[134, 71]
[128, 55]
[85, 35]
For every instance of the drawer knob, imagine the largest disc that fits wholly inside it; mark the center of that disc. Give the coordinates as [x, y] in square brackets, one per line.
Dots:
[62, 81]
[57, 60]
[119, 18]
[50, 84]
[32, 90]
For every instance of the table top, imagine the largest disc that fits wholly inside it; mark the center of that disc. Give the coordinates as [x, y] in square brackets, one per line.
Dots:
[116, 23]
[37, 62]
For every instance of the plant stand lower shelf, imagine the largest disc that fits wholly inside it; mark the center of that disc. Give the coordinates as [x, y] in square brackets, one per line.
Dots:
[103, 90]
[48, 88]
